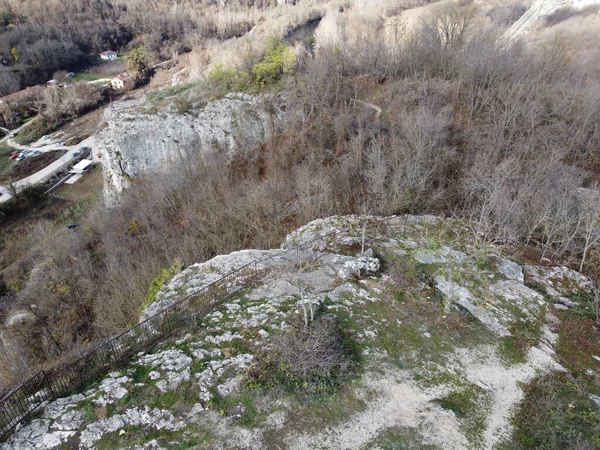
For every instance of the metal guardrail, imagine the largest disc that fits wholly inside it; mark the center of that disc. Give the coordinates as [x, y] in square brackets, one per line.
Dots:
[20, 403]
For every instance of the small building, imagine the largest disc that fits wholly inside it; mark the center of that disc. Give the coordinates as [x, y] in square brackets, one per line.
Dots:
[81, 167]
[109, 54]
[123, 81]
[78, 170]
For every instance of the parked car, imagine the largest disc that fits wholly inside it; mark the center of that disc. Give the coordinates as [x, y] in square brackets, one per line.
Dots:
[21, 157]
[36, 153]
[84, 149]
[14, 156]
[75, 154]
[46, 136]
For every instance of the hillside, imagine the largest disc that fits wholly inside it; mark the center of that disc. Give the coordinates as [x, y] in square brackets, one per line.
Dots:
[314, 224]
[447, 343]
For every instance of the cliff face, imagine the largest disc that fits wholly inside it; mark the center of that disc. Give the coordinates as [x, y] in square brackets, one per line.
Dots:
[539, 10]
[138, 138]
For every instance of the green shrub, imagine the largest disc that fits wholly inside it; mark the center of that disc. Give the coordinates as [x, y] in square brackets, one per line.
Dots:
[223, 81]
[278, 60]
[164, 276]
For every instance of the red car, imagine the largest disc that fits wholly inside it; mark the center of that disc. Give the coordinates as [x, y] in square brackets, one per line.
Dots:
[15, 156]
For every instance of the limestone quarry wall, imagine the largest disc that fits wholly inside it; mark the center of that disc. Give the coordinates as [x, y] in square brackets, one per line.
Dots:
[138, 138]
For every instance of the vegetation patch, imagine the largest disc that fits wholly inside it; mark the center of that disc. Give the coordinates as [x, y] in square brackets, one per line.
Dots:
[468, 405]
[524, 334]
[310, 361]
[140, 373]
[139, 435]
[158, 282]
[278, 60]
[556, 414]
[578, 341]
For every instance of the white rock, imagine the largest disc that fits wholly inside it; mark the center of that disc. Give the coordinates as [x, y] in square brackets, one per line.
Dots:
[511, 270]
[358, 268]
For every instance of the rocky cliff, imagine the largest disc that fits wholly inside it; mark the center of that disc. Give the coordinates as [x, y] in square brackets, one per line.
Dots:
[539, 10]
[453, 337]
[139, 137]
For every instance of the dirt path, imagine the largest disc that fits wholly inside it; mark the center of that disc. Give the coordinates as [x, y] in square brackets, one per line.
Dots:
[372, 106]
[403, 404]
[400, 404]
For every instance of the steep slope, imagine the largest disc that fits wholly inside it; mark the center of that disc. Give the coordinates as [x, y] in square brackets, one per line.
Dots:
[449, 332]
[539, 10]
[140, 136]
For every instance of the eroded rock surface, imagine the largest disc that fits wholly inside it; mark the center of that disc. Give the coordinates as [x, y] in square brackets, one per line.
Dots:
[138, 137]
[401, 297]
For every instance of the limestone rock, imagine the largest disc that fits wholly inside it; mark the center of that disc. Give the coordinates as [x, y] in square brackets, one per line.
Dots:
[559, 281]
[539, 10]
[138, 139]
[511, 270]
[464, 298]
[358, 268]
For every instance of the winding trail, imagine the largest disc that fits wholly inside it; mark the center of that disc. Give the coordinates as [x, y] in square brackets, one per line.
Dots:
[372, 106]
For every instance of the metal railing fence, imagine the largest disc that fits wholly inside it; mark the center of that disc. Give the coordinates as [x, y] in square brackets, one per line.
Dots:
[21, 402]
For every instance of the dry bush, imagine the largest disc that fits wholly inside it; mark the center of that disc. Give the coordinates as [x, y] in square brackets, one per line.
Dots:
[565, 13]
[505, 14]
[311, 361]
[314, 351]
[56, 104]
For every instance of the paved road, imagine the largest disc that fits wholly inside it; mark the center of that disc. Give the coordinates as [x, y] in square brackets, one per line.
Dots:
[49, 169]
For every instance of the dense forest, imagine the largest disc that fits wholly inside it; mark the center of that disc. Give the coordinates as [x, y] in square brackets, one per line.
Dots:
[39, 38]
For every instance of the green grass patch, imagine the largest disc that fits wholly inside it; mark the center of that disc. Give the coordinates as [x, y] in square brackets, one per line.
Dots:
[35, 131]
[397, 438]
[140, 374]
[192, 437]
[459, 402]
[524, 335]
[179, 399]
[469, 404]
[165, 400]
[197, 366]
[556, 414]
[86, 76]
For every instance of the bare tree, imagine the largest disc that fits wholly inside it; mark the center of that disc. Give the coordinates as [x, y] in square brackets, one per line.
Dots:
[589, 221]
[450, 24]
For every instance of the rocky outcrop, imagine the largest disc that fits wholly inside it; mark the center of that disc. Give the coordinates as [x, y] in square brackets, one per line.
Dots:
[539, 10]
[401, 288]
[139, 137]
